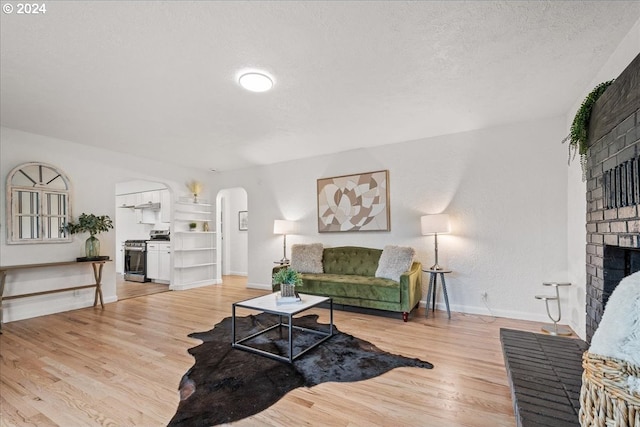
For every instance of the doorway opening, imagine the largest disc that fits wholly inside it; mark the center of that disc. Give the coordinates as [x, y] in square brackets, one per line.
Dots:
[143, 210]
[232, 214]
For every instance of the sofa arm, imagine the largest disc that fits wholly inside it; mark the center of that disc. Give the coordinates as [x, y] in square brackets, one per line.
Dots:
[411, 287]
[276, 286]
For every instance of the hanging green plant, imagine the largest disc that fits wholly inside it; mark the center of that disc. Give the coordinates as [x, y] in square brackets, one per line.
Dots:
[579, 132]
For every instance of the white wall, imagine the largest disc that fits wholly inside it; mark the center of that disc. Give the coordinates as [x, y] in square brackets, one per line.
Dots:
[137, 186]
[576, 194]
[94, 174]
[235, 251]
[518, 211]
[504, 187]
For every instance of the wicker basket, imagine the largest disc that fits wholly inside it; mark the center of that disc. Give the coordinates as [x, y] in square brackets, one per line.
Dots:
[605, 399]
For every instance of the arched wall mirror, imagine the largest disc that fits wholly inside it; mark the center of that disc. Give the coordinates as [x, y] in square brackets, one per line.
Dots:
[38, 204]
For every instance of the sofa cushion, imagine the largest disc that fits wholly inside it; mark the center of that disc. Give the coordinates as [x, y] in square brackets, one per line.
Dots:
[351, 260]
[307, 258]
[352, 286]
[394, 261]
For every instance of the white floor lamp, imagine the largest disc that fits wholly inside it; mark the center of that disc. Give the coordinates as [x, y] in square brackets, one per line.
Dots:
[435, 224]
[284, 227]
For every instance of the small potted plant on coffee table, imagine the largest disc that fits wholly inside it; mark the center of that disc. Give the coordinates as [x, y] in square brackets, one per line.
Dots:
[288, 279]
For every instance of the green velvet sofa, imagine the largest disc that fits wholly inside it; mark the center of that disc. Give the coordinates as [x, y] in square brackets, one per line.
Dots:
[349, 277]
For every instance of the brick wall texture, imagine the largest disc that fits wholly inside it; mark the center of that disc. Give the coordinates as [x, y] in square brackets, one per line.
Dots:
[613, 213]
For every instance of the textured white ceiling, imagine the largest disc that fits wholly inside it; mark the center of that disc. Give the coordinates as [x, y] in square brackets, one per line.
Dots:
[158, 79]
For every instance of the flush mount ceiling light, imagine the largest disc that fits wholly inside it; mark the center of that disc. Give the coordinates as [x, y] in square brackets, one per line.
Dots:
[255, 82]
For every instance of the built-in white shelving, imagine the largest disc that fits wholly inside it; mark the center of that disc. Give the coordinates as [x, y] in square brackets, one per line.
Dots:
[198, 249]
[194, 251]
[196, 265]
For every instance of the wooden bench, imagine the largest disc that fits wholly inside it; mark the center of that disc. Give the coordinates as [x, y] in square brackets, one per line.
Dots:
[97, 274]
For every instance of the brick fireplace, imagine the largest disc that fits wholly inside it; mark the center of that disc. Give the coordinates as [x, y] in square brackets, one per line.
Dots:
[613, 191]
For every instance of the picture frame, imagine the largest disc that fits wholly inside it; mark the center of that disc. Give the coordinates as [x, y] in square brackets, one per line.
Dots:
[243, 220]
[357, 202]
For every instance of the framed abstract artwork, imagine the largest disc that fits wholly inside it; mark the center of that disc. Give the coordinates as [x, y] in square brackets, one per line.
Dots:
[357, 202]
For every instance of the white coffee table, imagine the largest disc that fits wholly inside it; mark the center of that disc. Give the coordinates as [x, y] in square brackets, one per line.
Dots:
[267, 304]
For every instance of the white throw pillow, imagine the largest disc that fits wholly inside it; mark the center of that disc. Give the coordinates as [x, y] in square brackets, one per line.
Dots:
[618, 334]
[394, 261]
[307, 258]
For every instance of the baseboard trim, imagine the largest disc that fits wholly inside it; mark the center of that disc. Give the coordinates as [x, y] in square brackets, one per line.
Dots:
[259, 286]
[13, 313]
[237, 273]
[185, 286]
[484, 311]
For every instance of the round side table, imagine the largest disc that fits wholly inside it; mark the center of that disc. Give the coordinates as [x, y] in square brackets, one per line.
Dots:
[431, 297]
[554, 329]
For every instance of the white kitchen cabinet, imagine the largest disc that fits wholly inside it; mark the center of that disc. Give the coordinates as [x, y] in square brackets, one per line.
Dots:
[147, 197]
[165, 206]
[153, 262]
[146, 216]
[120, 258]
[126, 200]
[159, 262]
[121, 201]
[139, 198]
[134, 201]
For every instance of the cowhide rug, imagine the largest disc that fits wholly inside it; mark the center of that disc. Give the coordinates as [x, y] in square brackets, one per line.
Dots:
[227, 384]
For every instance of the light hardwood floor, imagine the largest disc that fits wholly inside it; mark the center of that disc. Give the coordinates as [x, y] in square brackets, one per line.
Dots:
[121, 367]
[126, 290]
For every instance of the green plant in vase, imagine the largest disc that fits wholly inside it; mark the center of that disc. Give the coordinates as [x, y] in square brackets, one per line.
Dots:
[192, 226]
[92, 224]
[288, 279]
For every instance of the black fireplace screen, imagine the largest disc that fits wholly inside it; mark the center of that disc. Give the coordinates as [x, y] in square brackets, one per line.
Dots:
[621, 185]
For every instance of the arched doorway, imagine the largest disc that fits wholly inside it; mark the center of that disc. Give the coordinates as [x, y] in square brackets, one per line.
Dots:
[141, 206]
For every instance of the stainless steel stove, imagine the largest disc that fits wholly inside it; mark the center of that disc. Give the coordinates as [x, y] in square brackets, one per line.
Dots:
[135, 260]
[162, 235]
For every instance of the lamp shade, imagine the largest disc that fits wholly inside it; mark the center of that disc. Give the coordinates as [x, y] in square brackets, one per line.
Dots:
[435, 224]
[282, 226]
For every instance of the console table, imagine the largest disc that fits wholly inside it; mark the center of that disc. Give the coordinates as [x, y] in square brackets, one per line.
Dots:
[97, 274]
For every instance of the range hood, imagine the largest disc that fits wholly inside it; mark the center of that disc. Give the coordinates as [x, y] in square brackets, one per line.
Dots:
[149, 205]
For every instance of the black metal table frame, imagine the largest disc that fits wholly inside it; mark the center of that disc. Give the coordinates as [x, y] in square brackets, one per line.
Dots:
[289, 325]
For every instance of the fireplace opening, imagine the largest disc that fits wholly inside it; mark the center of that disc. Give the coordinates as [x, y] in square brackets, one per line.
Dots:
[619, 263]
